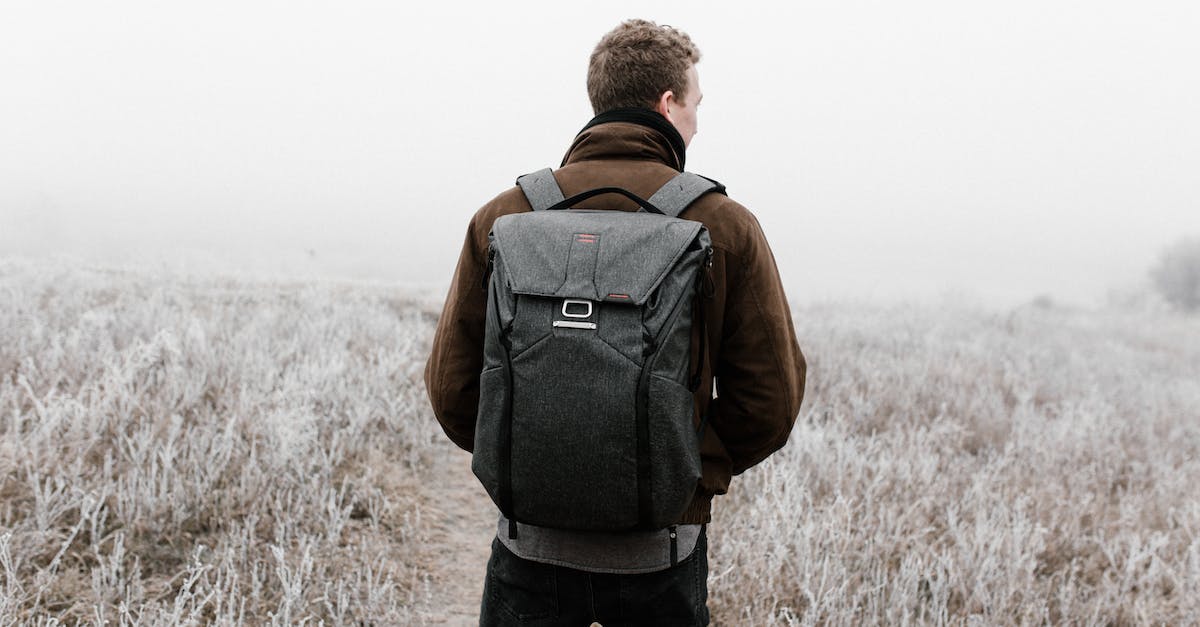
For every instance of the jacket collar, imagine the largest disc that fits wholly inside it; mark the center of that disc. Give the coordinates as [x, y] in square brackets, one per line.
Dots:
[629, 134]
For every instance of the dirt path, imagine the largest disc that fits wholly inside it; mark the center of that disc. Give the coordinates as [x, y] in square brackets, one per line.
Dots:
[461, 522]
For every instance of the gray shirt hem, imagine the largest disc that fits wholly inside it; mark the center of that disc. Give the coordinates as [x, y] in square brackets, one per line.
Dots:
[625, 553]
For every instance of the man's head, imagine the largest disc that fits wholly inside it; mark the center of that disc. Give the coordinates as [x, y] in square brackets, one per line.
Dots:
[644, 65]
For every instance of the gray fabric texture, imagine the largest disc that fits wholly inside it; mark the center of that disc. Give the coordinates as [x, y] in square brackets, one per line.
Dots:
[574, 438]
[494, 389]
[679, 192]
[634, 251]
[625, 553]
[671, 443]
[541, 189]
[573, 396]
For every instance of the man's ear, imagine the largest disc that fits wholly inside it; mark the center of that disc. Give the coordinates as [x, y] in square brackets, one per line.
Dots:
[665, 102]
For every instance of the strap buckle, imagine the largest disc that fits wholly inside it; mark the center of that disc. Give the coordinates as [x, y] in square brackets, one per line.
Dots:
[568, 302]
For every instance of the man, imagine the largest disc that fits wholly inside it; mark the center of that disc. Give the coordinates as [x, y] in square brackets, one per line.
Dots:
[644, 88]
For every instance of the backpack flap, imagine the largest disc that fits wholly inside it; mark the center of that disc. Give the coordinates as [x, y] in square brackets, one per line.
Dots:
[596, 255]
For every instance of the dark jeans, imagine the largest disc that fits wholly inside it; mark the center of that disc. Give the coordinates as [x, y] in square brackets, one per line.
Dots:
[521, 592]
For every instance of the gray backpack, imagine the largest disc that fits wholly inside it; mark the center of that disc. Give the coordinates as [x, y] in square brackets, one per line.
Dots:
[585, 403]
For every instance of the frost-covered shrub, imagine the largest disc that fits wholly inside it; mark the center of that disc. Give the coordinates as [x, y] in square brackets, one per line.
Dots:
[1177, 275]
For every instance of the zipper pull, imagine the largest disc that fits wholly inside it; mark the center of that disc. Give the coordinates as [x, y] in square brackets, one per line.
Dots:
[487, 274]
[674, 545]
[708, 288]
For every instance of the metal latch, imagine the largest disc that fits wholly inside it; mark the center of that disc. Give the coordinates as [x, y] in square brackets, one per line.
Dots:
[575, 308]
[587, 308]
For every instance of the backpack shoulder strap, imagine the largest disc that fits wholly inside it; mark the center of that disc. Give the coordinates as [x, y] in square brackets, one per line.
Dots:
[541, 189]
[681, 191]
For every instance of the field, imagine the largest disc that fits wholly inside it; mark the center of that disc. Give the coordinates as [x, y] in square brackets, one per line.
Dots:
[183, 450]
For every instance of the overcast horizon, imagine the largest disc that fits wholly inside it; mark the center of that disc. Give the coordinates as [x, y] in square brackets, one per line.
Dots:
[889, 152]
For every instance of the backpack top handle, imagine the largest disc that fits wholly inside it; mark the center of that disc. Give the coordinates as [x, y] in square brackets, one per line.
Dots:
[543, 193]
[642, 202]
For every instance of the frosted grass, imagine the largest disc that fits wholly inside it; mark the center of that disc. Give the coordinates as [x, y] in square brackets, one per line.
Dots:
[181, 451]
[177, 450]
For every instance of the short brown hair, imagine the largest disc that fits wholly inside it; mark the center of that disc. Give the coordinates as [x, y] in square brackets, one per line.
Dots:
[636, 62]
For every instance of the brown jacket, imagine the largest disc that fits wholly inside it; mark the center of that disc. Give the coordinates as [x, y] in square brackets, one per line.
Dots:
[753, 353]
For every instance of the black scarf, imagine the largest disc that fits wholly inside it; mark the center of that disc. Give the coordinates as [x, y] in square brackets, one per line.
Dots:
[647, 118]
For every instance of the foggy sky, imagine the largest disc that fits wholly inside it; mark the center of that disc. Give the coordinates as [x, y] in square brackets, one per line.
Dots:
[888, 149]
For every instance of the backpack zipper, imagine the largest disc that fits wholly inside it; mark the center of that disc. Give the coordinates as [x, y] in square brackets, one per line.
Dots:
[674, 545]
[642, 402]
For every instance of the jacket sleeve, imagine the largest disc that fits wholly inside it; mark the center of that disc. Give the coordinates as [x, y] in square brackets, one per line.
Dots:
[761, 371]
[456, 358]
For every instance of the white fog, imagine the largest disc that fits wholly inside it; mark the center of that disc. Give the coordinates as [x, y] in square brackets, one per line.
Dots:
[1001, 151]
